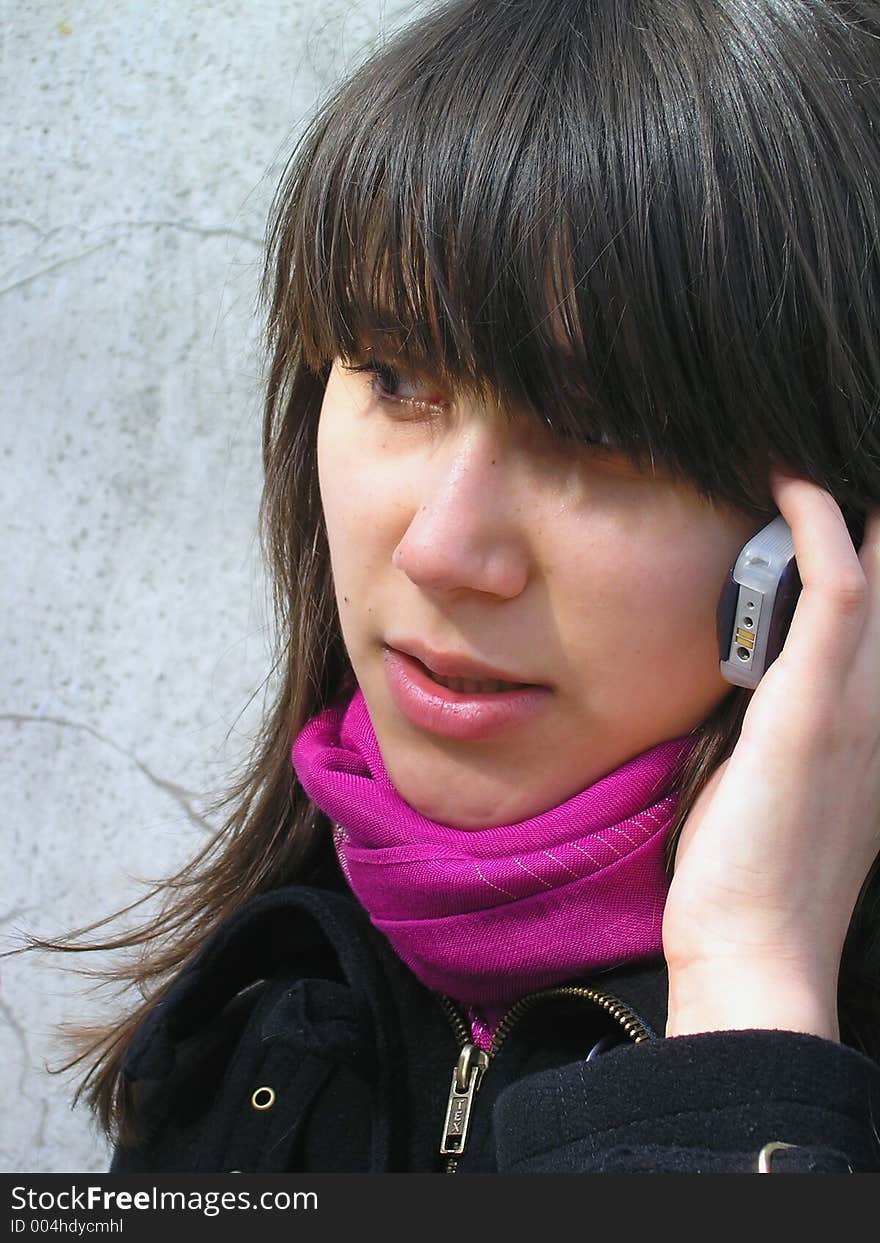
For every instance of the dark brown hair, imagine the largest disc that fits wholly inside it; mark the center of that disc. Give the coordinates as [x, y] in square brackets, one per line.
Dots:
[652, 220]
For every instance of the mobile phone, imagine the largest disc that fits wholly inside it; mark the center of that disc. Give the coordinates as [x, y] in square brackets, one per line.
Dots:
[757, 604]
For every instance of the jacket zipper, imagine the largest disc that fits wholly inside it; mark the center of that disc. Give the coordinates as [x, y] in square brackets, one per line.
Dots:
[473, 1062]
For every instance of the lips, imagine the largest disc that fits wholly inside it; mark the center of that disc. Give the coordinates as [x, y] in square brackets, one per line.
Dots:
[462, 715]
[450, 665]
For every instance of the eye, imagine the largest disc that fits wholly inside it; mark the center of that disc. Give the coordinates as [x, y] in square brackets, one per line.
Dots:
[395, 388]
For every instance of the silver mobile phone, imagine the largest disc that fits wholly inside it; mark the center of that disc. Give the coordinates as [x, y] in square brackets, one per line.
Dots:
[757, 604]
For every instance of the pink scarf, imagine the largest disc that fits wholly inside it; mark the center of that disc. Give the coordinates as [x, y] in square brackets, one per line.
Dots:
[490, 914]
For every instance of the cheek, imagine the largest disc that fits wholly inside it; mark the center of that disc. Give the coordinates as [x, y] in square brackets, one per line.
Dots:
[647, 605]
[362, 512]
[673, 611]
[338, 483]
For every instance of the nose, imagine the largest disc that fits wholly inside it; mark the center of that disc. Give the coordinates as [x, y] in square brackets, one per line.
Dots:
[468, 531]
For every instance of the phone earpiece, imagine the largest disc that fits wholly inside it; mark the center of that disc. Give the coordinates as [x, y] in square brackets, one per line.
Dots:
[757, 604]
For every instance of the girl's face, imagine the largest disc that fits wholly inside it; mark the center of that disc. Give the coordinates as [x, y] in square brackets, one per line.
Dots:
[451, 528]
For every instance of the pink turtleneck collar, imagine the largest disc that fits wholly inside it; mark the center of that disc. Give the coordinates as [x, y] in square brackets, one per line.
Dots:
[490, 914]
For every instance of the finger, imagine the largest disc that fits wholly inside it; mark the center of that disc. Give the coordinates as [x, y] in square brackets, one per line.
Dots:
[832, 608]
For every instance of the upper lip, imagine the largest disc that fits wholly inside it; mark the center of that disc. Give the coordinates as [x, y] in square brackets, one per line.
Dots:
[456, 664]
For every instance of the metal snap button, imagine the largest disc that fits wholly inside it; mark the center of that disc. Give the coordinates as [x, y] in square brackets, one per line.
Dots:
[263, 1098]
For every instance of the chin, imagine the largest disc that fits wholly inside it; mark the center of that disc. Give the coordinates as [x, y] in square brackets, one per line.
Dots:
[438, 807]
[488, 812]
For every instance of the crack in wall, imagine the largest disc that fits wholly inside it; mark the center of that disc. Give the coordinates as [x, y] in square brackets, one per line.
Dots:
[18, 222]
[18, 1031]
[179, 793]
[27, 1068]
[52, 267]
[122, 226]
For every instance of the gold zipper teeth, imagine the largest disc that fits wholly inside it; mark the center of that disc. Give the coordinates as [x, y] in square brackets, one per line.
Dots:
[634, 1028]
[461, 1028]
[630, 1022]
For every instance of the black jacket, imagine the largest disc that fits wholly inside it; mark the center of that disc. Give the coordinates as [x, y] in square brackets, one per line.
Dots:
[297, 1040]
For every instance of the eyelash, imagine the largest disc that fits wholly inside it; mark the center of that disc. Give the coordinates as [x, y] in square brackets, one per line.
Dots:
[378, 370]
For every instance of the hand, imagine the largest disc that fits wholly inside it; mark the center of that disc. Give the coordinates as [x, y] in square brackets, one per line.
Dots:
[775, 851]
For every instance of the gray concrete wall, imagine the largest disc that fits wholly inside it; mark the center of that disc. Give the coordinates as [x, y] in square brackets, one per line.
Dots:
[141, 143]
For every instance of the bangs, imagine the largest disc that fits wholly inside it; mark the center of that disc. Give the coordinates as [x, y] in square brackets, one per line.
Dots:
[451, 269]
[439, 238]
[535, 212]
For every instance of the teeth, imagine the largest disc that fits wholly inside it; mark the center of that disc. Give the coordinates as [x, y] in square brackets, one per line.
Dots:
[489, 686]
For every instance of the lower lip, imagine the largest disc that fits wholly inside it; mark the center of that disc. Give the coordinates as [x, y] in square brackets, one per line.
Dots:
[456, 714]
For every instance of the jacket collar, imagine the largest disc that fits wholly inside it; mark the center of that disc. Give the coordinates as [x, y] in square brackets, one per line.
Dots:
[322, 932]
[296, 929]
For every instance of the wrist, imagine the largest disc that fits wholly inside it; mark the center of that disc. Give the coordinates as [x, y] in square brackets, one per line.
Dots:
[724, 995]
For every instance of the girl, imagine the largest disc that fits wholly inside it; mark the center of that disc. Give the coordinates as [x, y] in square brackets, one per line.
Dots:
[566, 299]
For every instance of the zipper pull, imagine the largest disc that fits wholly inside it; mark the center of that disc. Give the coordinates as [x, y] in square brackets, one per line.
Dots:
[466, 1078]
